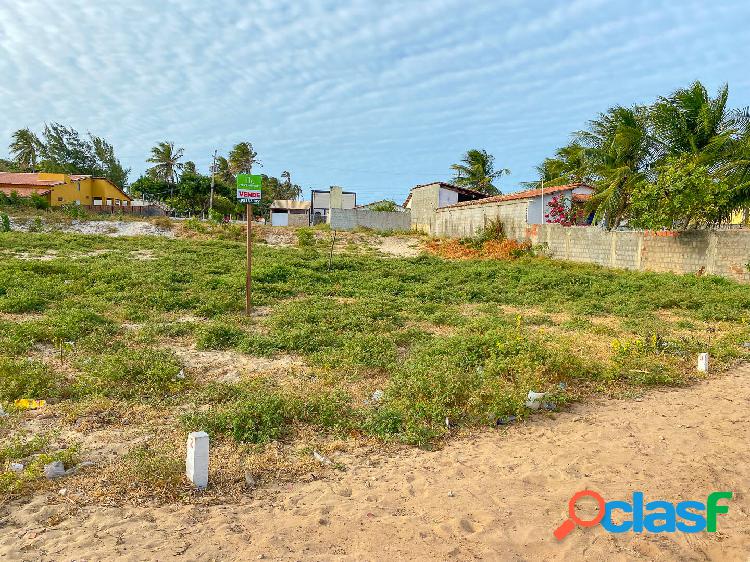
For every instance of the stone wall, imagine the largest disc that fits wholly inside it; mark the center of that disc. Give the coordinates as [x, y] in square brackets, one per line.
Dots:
[349, 219]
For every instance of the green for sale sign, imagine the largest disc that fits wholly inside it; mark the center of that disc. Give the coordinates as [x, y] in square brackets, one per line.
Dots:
[248, 188]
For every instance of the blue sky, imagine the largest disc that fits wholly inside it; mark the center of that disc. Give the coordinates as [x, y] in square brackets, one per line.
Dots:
[373, 96]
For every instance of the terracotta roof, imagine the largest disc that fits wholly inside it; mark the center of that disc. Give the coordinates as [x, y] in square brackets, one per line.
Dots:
[290, 205]
[445, 185]
[24, 191]
[78, 177]
[527, 194]
[27, 179]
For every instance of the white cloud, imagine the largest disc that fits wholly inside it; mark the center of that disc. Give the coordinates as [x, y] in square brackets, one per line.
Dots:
[375, 96]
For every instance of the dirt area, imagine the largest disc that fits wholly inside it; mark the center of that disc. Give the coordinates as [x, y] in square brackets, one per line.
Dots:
[493, 495]
[105, 227]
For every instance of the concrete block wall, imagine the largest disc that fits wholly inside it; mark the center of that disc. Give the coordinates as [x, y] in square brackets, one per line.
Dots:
[349, 219]
[719, 252]
[467, 220]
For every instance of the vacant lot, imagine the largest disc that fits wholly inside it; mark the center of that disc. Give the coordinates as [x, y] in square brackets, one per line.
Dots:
[136, 341]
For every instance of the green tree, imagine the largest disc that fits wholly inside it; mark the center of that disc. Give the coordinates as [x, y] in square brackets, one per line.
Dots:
[685, 194]
[148, 187]
[286, 189]
[223, 172]
[189, 168]
[25, 148]
[385, 206]
[108, 163]
[690, 122]
[620, 150]
[242, 158]
[477, 171]
[166, 162]
[569, 165]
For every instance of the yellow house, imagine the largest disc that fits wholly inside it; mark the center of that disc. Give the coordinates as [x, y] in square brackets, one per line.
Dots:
[65, 189]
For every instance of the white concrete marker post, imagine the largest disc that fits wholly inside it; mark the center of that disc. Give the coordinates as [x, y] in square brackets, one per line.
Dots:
[703, 362]
[196, 462]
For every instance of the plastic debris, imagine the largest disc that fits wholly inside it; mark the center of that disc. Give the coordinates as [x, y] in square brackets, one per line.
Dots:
[534, 399]
[549, 406]
[377, 396]
[505, 420]
[746, 345]
[3, 413]
[181, 374]
[54, 469]
[321, 459]
[16, 467]
[562, 386]
[29, 404]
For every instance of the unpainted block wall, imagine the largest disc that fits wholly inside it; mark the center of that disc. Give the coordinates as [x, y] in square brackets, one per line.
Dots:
[719, 252]
[458, 222]
[349, 219]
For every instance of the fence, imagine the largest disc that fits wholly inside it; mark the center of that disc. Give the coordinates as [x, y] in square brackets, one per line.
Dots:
[349, 219]
[724, 252]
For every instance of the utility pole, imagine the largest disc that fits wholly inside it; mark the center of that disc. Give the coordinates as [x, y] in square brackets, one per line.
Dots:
[213, 176]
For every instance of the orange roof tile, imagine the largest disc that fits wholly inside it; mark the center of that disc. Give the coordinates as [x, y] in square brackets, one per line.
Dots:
[527, 194]
[26, 179]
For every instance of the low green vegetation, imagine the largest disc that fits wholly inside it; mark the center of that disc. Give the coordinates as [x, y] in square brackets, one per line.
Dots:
[405, 350]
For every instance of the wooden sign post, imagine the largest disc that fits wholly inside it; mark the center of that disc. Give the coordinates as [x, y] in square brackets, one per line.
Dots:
[248, 192]
[249, 276]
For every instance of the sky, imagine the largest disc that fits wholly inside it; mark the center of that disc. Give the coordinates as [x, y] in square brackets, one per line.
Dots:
[372, 96]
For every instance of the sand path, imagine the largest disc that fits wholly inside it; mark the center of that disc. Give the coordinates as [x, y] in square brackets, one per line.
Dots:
[495, 496]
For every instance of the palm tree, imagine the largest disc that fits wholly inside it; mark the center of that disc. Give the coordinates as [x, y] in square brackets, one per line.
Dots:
[477, 171]
[620, 150]
[166, 160]
[690, 122]
[569, 165]
[25, 149]
[287, 189]
[242, 158]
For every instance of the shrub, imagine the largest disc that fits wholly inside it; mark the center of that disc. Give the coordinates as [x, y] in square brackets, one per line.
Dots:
[258, 417]
[143, 374]
[305, 237]
[4, 222]
[220, 336]
[28, 379]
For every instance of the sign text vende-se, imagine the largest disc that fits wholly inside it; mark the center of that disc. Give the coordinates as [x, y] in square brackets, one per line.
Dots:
[248, 188]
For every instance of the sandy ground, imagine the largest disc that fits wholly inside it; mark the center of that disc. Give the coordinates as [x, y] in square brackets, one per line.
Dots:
[105, 227]
[496, 495]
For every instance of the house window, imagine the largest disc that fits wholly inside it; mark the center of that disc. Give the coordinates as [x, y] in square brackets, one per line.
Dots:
[109, 200]
[117, 201]
[97, 200]
[59, 198]
[124, 203]
[87, 197]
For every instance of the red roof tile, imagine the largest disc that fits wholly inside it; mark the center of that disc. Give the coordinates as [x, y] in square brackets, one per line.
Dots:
[527, 194]
[27, 179]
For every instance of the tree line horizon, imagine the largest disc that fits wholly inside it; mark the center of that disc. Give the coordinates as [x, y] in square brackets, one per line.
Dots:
[681, 162]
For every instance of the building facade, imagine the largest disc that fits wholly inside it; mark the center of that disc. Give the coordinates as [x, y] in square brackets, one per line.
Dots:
[65, 189]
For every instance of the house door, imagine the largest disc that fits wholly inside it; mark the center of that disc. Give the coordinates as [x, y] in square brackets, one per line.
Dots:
[279, 219]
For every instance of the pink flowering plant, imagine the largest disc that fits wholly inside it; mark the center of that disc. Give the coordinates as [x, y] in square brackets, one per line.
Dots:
[563, 210]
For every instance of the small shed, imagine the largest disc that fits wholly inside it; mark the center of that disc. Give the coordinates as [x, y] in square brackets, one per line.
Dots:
[288, 212]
